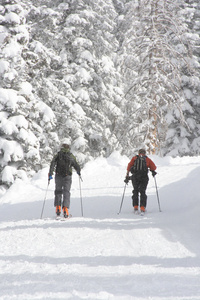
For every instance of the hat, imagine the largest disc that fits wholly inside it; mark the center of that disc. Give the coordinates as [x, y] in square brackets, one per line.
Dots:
[66, 143]
[142, 151]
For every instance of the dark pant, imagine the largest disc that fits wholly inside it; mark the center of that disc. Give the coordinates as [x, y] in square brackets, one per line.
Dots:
[62, 188]
[139, 186]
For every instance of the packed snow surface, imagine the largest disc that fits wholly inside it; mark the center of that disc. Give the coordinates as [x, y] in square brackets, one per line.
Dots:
[103, 254]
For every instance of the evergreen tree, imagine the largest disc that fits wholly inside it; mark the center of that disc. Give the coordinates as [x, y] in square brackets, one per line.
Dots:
[108, 74]
[20, 134]
[190, 14]
[77, 73]
[156, 44]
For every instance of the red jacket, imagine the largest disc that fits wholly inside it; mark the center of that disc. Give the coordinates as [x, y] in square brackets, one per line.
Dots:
[150, 164]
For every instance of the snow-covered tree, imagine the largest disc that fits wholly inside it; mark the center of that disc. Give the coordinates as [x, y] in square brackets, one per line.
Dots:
[191, 86]
[108, 74]
[20, 135]
[157, 55]
[75, 48]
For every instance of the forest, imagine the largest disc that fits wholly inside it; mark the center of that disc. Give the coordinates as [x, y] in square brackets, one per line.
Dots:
[110, 75]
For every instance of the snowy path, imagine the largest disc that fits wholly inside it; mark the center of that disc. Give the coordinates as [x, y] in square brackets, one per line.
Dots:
[102, 255]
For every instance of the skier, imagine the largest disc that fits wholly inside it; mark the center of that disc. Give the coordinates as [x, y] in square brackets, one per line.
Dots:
[63, 162]
[139, 166]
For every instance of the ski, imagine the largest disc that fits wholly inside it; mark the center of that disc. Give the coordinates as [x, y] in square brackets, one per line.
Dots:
[59, 218]
[65, 219]
[140, 213]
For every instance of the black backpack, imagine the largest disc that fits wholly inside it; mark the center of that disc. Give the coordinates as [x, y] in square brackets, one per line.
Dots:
[140, 166]
[63, 163]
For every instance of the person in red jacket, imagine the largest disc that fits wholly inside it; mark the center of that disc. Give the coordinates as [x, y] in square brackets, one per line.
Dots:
[139, 166]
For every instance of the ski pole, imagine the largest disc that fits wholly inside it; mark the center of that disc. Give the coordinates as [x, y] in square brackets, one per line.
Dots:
[122, 199]
[44, 199]
[80, 179]
[157, 194]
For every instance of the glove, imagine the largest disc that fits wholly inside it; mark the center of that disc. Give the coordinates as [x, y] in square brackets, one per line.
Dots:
[78, 172]
[50, 177]
[126, 180]
[153, 173]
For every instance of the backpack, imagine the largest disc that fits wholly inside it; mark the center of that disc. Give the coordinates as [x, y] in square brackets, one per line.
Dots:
[140, 166]
[63, 163]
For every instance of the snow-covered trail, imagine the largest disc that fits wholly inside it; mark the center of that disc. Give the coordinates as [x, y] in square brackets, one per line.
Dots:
[103, 255]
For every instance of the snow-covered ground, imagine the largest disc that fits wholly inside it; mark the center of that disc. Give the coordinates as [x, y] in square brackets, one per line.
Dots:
[104, 255]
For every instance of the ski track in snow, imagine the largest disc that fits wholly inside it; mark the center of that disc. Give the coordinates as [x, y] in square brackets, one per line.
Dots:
[103, 255]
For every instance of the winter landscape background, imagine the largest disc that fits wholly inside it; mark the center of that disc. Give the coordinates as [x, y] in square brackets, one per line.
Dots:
[103, 255]
[108, 74]
[113, 76]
